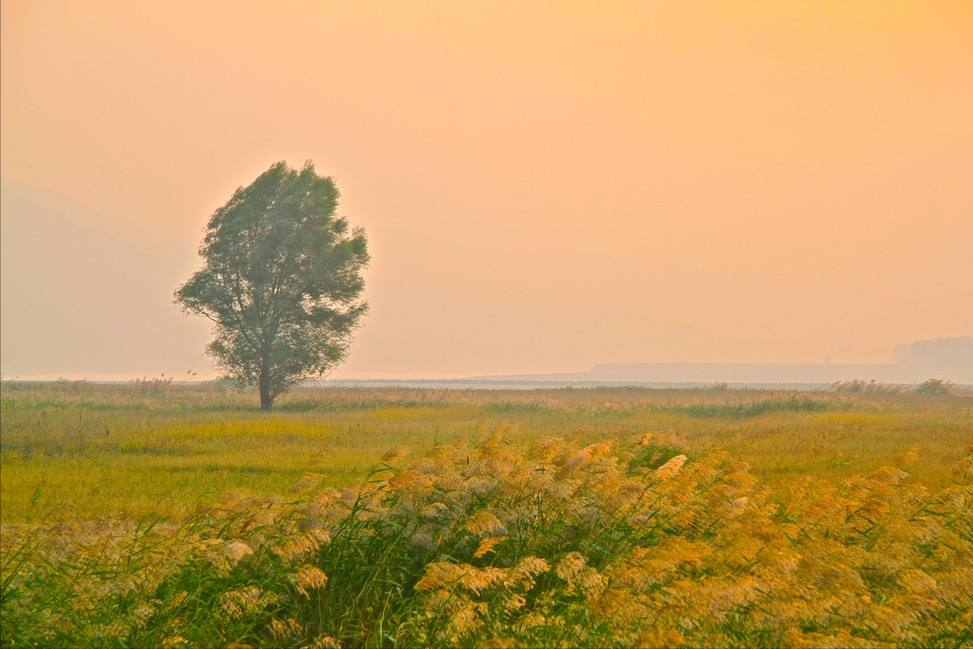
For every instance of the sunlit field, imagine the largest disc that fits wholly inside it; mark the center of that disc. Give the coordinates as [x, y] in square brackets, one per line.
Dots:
[182, 516]
[77, 450]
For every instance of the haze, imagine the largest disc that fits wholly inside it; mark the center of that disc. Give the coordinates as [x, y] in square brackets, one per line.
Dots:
[545, 186]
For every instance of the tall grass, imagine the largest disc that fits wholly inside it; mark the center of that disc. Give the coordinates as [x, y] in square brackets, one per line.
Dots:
[617, 543]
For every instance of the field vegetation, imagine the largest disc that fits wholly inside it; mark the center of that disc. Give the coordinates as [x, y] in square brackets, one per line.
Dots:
[182, 516]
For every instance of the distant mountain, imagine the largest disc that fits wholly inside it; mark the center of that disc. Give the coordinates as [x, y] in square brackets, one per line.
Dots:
[941, 357]
[80, 294]
[946, 358]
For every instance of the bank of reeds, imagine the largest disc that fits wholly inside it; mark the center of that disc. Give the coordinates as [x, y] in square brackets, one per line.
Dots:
[501, 546]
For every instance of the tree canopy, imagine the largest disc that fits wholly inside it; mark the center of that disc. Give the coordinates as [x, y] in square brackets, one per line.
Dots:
[281, 281]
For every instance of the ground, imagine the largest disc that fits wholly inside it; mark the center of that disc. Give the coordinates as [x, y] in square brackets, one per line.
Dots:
[74, 450]
[161, 515]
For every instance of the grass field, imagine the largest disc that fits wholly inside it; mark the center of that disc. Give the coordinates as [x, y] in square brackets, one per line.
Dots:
[77, 450]
[537, 542]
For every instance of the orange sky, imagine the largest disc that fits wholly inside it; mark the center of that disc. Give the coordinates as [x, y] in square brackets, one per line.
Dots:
[545, 185]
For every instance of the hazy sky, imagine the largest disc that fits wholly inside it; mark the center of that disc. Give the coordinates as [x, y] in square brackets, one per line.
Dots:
[545, 185]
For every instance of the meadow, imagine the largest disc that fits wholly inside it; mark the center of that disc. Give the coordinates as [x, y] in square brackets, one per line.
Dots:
[156, 514]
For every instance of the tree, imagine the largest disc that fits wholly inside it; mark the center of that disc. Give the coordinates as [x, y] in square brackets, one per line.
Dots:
[281, 281]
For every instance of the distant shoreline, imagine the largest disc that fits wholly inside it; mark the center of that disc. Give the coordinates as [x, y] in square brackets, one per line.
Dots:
[503, 384]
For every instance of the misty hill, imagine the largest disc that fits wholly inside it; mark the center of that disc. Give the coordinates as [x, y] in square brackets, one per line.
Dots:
[943, 357]
[946, 358]
[79, 293]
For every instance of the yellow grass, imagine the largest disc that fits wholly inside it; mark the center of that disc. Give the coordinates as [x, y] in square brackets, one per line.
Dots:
[73, 450]
[169, 516]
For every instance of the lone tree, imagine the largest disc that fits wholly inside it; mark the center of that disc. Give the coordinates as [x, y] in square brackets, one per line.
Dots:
[281, 281]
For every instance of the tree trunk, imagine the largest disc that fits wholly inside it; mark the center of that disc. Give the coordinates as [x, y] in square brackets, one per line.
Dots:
[266, 399]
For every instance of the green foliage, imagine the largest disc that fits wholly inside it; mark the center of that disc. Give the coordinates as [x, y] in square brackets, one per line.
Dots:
[755, 408]
[858, 386]
[935, 388]
[281, 281]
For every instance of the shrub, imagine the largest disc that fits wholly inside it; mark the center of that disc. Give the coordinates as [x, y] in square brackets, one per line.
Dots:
[935, 387]
[858, 386]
